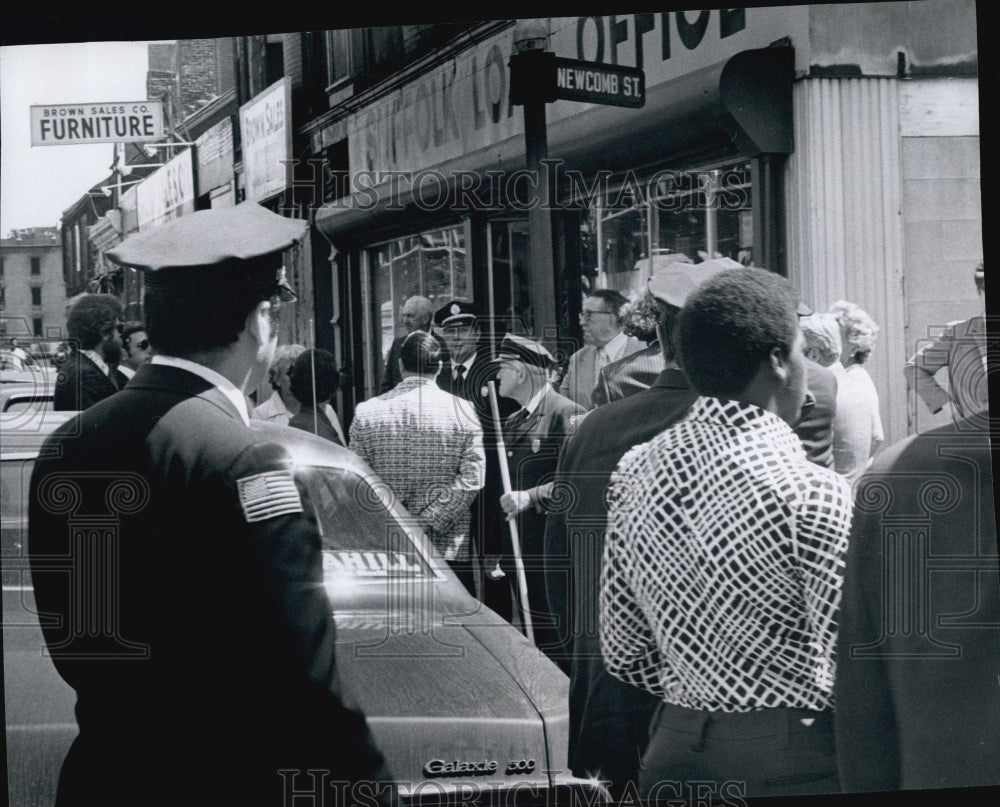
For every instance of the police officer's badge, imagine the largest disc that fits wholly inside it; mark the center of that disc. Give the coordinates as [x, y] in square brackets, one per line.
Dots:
[536, 445]
[455, 309]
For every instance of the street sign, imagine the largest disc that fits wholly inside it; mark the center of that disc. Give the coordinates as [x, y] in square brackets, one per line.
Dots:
[108, 122]
[599, 83]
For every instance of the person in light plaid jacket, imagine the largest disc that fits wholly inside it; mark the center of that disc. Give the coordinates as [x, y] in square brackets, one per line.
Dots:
[426, 445]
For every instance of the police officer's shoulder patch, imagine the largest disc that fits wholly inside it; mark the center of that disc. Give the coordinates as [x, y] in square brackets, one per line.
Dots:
[268, 495]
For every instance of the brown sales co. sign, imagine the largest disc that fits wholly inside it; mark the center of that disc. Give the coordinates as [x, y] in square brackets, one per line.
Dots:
[111, 122]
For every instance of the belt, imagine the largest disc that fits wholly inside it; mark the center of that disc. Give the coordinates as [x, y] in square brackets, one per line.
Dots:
[781, 721]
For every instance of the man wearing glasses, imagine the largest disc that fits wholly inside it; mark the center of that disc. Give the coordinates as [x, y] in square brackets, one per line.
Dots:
[604, 342]
[135, 348]
[89, 373]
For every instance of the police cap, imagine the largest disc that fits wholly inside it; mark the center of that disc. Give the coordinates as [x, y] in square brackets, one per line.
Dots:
[212, 250]
[520, 348]
[456, 312]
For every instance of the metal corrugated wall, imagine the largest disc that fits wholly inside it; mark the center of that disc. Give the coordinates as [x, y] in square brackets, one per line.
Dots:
[844, 197]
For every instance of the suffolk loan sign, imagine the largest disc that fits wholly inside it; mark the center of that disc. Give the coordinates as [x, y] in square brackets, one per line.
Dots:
[111, 122]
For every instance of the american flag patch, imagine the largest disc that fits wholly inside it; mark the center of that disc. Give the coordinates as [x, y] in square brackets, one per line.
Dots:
[268, 495]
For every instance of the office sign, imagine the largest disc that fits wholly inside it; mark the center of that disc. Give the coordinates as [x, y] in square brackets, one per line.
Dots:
[111, 122]
[599, 83]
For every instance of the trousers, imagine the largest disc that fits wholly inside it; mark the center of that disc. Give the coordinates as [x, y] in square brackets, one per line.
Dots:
[767, 752]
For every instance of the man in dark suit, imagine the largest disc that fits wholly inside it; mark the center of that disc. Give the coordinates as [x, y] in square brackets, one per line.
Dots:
[90, 372]
[609, 720]
[467, 374]
[918, 648]
[532, 437]
[192, 622]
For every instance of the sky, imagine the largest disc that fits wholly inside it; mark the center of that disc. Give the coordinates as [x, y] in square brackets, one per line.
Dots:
[37, 183]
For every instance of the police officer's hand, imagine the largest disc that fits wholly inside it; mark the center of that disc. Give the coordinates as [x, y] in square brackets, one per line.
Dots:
[514, 502]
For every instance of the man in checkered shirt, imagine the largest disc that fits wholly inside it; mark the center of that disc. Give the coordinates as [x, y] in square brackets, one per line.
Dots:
[427, 446]
[723, 562]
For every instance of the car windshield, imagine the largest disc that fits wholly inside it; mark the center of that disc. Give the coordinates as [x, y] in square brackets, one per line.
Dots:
[361, 536]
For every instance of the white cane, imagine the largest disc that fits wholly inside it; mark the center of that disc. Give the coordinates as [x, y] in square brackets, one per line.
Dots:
[522, 581]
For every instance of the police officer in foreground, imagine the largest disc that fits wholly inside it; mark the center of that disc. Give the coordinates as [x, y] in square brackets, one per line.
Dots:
[178, 563]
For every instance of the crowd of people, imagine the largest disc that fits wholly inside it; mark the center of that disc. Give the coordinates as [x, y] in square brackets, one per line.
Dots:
[694, 516]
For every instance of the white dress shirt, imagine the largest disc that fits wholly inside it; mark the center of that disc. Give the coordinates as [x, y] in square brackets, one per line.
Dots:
[224, 385]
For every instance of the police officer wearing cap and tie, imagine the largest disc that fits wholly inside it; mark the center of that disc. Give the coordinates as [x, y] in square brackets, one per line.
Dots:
[177, 560]
[467, 374]
[533, 437]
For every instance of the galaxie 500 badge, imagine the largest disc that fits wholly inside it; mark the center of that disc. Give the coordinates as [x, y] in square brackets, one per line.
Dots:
[485, 767]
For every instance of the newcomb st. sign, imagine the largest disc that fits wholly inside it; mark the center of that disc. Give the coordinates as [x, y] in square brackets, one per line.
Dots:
[600, 83]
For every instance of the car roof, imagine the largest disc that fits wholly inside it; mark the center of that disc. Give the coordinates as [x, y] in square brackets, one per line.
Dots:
[309, 449]
[24, 431]
[21, 434]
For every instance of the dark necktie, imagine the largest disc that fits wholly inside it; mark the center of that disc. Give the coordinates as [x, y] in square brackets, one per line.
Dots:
[517, 419]
[460, 374]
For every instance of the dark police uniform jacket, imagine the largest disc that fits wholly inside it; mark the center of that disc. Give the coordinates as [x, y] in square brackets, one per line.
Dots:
[608, 719]
[179, 566]
[473, 387]
[532, 447]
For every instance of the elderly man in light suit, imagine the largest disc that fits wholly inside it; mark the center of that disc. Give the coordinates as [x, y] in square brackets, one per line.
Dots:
[604, 342]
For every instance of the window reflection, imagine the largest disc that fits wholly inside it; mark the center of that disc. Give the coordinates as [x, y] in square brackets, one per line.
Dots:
[431, 264]
[685, 216]
[360, 536]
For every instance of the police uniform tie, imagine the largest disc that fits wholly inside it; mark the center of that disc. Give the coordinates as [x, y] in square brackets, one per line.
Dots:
[460, 374]
[517, 419]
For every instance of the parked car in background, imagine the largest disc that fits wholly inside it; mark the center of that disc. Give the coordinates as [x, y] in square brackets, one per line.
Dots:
[465, 708]
[24, 395]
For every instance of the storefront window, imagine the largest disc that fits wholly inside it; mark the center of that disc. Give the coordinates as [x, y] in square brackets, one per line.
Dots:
[670, 215]
[431, 264]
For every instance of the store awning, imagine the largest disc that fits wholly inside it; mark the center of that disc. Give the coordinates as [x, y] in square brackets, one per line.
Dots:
[743, 105]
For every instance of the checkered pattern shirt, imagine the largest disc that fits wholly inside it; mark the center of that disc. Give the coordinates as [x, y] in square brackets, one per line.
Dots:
[723, 564]
[427, 446]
